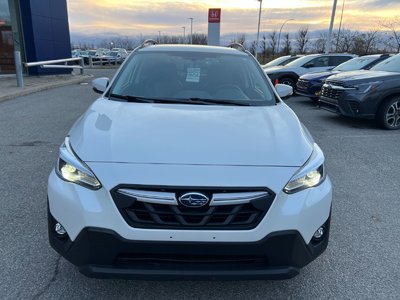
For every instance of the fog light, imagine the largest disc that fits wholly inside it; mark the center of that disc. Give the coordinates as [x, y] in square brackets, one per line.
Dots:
[59, 229]
[319, 234]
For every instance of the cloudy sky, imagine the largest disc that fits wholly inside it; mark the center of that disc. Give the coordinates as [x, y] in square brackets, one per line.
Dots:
[135, 17]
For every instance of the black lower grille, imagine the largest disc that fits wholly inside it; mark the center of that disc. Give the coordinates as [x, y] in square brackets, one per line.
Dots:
[240, 216]
[128, 259]
[331, 93]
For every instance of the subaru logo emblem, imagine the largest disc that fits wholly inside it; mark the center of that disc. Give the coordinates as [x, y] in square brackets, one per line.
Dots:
[193, 200]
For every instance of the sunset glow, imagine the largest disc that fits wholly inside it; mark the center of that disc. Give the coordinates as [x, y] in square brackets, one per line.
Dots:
[148, 17]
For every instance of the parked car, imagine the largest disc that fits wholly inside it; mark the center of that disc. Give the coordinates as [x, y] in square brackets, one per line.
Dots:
[310, 85]
[189, 165]
[76, 53]
[281, 61]
[117, 55]
[369, 94]
[290, 73]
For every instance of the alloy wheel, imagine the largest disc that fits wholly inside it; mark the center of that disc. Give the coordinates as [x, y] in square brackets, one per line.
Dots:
[393, 114]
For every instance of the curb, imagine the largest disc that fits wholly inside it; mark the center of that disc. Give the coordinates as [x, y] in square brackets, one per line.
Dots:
[43, 87]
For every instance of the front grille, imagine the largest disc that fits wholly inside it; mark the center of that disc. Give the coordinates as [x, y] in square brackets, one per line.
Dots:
[158, 208]
[328, 92]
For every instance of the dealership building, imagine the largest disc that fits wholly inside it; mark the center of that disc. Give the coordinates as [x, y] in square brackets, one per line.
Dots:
[38, 29]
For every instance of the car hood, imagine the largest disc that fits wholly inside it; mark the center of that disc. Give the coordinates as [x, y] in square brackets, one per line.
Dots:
[276, 69]
[143, 133]
[319, 75]
[363, 75]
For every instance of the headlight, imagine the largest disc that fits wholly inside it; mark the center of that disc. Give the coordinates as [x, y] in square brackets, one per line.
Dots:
[310, 175]
[366, 87]
[70, 168]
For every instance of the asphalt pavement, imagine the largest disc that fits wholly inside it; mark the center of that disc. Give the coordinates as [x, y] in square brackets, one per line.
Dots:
[362, 260]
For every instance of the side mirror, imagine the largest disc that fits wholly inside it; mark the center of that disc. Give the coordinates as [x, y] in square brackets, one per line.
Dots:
[100, 85]
[308, 65]
[283, 90]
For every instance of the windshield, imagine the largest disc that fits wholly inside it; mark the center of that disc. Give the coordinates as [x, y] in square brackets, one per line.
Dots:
[276, 62]
[357, 63]
[301, 61]
[390, 65]
[113, 53]
[92, 53]
[192, 75]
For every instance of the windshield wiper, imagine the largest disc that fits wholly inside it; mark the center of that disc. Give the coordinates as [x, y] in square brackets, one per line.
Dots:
[192, 101]
[132, 98]
[129, 98]
[221, 101]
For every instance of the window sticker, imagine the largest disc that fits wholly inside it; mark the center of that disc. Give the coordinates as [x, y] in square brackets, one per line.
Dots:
[193, 75]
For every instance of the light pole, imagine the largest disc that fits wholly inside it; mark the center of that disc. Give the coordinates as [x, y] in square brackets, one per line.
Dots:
[329, 41]
[184, 34]
[340, 26]
[280, 31]
[191, 30]
[258, 28]
[159, 37]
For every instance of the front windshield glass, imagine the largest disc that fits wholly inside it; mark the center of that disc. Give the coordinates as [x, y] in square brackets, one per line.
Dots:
[275, 62]
[357, 63]
[389, 65]
[301, 61]
[193, 76]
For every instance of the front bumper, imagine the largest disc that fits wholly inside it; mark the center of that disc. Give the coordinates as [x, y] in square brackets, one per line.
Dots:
[350, 104]
[99, 239]
[311, 91]
[102, 253]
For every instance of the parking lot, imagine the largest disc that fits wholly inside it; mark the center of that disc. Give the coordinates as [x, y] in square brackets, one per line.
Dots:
[361, 262]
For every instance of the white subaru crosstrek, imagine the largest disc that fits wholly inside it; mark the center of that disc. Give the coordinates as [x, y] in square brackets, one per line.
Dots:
[189, 166]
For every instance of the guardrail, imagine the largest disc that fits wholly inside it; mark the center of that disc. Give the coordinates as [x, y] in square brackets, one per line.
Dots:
[53, 64]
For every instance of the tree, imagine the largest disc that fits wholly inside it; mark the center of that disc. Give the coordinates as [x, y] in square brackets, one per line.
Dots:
[264, 48]
[287, 44]
[273, 41]
[302, 40]
[366, 43]
[253, 47]
[199, 39]
[393, 30]
[240, 39]
[320, 43]
[345, 42]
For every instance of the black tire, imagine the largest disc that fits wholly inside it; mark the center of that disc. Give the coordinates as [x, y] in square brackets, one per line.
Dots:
[388, 115]
[288, 81]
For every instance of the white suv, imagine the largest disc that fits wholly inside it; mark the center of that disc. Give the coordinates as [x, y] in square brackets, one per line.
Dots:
[189, 166]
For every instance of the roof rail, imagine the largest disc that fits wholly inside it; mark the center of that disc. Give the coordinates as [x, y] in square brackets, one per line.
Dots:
[148, 43]
[237, 46]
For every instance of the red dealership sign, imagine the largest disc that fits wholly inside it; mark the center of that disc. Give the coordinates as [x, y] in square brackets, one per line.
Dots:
[214, 15]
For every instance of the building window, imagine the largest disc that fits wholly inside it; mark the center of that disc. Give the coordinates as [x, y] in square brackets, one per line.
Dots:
[6, 40]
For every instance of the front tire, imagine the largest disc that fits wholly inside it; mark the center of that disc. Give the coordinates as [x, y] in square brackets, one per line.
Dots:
[288, 81]
[388, 115]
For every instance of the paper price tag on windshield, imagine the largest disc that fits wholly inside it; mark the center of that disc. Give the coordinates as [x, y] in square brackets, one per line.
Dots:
[193, 75]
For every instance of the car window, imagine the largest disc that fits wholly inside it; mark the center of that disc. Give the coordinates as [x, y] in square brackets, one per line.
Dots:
[189, 75]
[389, 65]
[289, 60]
[357, 63]
[318, 62]
[337, 60]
